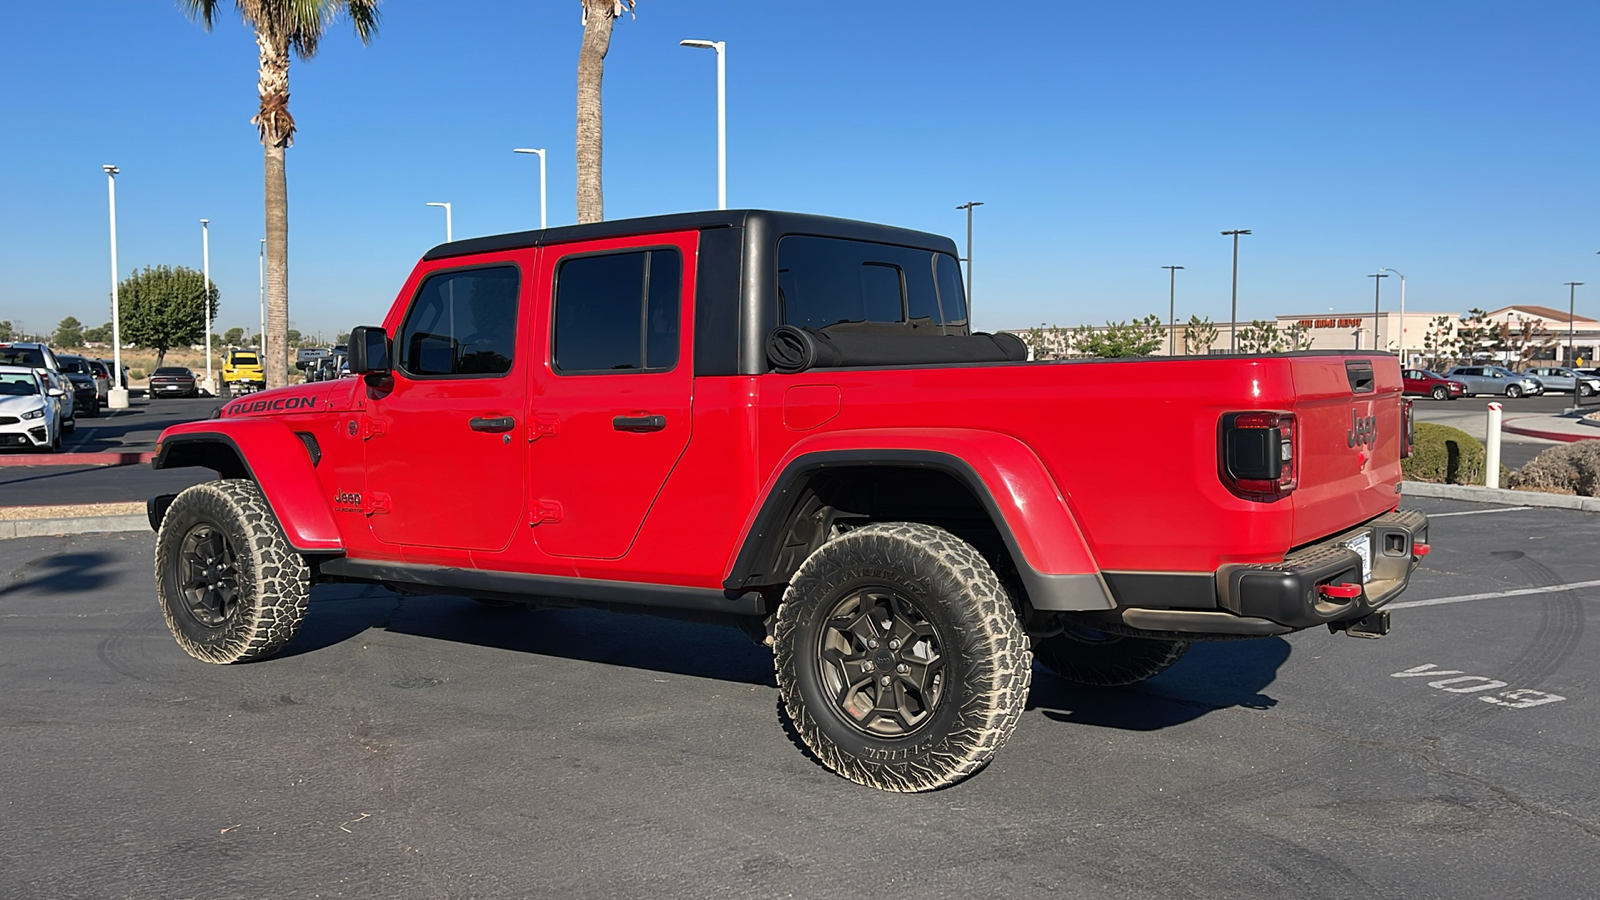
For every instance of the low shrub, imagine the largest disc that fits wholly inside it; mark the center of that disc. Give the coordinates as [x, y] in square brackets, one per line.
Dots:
[1567, 469]
[135, 374]
[1444, 455]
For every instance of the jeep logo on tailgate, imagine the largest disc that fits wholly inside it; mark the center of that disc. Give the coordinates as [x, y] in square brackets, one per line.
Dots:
[1363, 431]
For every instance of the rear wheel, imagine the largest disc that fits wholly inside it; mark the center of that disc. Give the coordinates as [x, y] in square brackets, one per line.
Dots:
[1440, 392]
[1513, 391]
[231, 588]
[899, 658]
[1088, 656]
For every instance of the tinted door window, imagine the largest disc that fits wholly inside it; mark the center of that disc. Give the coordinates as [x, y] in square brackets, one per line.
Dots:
[618, 312]
[462, 323]
[829, 283]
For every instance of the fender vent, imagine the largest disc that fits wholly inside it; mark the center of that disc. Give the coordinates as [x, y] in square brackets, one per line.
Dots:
[312, 448]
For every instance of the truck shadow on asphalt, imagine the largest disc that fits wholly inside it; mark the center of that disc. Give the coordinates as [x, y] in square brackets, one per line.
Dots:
[1213, 675]
[63, 573]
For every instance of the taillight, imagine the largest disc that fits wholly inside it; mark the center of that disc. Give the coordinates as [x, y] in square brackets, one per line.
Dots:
[1406, 429]
[1259, 459]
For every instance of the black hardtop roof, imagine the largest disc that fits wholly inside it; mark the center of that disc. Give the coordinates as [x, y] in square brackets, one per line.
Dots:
[769, 221]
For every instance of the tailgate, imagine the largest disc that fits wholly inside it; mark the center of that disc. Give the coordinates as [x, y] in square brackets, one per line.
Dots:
[1349, 420]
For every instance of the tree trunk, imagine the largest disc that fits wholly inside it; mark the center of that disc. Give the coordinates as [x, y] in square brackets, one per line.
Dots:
[276, 361]
[276, 127]
[591, 68]
[161, 359]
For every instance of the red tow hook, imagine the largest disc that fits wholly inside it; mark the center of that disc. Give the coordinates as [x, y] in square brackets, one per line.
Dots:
[1340, 591]
[1420, 550]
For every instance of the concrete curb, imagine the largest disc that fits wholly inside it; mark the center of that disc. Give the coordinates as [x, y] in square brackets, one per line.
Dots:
[1565, 436]
[18, 528]
[1499, 495]
[110, 458]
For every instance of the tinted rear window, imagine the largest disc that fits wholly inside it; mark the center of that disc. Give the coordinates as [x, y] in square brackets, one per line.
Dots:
[169, 370]
[830, 283]
[75, 365]
[31, 357]
[244, 359]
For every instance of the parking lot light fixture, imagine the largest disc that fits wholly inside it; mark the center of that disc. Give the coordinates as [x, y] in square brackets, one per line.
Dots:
[1172, 311]
[540, 151]
[1376, 287]
[1402, 312]
[968, 207]
[1233, 317]
[447, 235]
[722, 114]
[118, 396]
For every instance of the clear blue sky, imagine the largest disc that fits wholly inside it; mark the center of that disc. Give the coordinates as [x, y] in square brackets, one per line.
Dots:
[1457, 142]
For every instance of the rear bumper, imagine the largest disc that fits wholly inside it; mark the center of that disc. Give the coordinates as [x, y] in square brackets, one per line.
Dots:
[1277, 598]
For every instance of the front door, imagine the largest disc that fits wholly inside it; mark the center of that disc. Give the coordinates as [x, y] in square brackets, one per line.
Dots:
[612, 396]
[445, 447]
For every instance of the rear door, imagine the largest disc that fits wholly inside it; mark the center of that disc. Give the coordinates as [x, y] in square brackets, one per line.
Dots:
[445, 445]
[612, 395]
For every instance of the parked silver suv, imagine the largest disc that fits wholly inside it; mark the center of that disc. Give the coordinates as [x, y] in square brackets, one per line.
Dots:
[1495, 380]
[1555, 378]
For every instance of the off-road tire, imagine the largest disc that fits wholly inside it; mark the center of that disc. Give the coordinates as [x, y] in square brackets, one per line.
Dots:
[272, 583]
[1513, 392]
[1091, 657]
[984, 663]
[1441, 392]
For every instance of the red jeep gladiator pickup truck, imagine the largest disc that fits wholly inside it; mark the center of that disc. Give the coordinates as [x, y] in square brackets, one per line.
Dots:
[783, 422]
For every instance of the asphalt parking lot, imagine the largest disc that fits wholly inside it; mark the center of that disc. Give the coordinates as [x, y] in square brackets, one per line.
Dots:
[428, 747]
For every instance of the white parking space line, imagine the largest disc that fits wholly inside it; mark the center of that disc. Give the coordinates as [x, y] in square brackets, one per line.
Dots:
[1493, 595]
[1477, 512]
[84, 439]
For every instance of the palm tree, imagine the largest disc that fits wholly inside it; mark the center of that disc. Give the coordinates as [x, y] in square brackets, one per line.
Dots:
[597, 16]
[282, 27]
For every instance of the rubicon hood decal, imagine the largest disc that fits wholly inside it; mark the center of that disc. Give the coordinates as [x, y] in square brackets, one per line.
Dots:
[245, 407]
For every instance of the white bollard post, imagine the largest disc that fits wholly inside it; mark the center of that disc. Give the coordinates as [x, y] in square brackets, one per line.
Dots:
[1491, 445]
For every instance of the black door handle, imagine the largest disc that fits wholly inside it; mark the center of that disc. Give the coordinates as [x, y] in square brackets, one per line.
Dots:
[639, 423]
[494, 425]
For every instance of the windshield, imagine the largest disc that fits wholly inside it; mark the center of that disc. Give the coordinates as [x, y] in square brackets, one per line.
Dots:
[31, 357]
[18, 384]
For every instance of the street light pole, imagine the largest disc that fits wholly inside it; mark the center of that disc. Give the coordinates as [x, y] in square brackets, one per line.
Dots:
[447, 237]
[1172, 311]
[205, 296]
[1402, 312]
[968, 207]
[261, 336]
[1233, 317]
[540, 151]
[118, 397]
[1572, 309]
[722, 114]
[1376, 286]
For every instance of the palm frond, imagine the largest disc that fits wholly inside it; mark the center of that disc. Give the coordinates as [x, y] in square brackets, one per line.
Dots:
[202, 11]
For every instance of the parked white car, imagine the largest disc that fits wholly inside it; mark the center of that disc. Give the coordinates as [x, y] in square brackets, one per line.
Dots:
[1557, 378]
[30, 410]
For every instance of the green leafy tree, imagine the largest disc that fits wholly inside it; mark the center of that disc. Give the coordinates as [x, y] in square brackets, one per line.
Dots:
[1260, 337]
[69, 333]
[164, 307]
[1052, 342]
[1296, 337]
[1478, 337]
[233, 337]
[7, 333]
[343, 338]
[282, 28]
[1198, 336]
[295, 338]
[1441, 343]
[598, 17]
[99, 334]
[1141, 337]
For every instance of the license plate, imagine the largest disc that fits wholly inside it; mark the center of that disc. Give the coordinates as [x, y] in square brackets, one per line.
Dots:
[1363, 548]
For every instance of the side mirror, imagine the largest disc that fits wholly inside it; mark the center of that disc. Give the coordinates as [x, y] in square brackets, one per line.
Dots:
[369, 350]
[56, 392]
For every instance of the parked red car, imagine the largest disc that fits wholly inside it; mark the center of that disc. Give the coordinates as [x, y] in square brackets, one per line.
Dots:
[1421, 381]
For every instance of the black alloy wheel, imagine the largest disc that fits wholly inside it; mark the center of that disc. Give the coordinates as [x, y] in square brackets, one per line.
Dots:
[208, 576]
[1440, 392]
[899, 658]
[880, 661]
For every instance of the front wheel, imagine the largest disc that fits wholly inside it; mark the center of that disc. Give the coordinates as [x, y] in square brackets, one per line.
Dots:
[1088, 656]
[899, 658]
[1585, 391]
[1513, 392]
[1441, 393]
[231, 588]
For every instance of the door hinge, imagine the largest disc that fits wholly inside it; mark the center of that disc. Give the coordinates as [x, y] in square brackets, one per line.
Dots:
[544, 511]
[542, 424]
[371, 428]
[375, 504]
